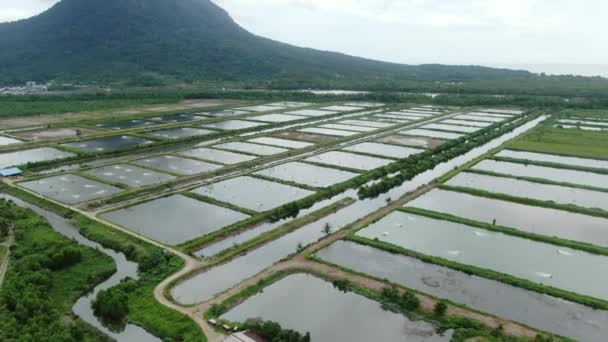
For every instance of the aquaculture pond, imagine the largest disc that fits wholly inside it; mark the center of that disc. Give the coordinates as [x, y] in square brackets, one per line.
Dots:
[175, 219]
[217, 156]
[533, 309]
[252, 193]
[349, 160]
[384, 150]
[130, 175]
[539, 262]
[432, 134]
[347, 317]
[179, 133]
[491, 115]
[587, 178]
[83, 308]
[584, 128]
[348, 127]
[128, 124]
[525, 189]
[307, 174]
[550, 158]
[417, 113]
[451, 128]
[218, 279]
[412, 117]
[108, 144]
[478, 118]
[8, 141]
[281, 142]
[326, 131]
[366, 123]
[391, 116]
[311, 112]
[583, 122]
[178, 165]
[467, 123]
[257, 149]
[278, 118]
[422, 142]
[538, 220]
[261, 108]
[32, 156]
[55, 133]
[233, 124]
[70, 189]
[341, 108]
[290, 104]
[227, 112]
[175, 118]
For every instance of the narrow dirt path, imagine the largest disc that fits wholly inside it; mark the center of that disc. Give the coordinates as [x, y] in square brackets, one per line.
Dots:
[7, 243]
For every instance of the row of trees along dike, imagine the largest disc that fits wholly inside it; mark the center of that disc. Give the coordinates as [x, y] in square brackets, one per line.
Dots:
[414, 165]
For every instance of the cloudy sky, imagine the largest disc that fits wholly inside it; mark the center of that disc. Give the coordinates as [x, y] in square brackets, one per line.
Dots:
[558, 36]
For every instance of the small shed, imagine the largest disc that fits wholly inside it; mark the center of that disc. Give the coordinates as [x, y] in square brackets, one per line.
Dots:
[10, 172]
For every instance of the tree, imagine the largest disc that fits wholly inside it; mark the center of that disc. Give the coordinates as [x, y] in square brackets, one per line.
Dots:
[440, 308]
[410, 301]
[327, 228]
[112, 305]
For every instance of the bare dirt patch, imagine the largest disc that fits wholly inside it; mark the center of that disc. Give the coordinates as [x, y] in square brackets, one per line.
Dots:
[55, 133]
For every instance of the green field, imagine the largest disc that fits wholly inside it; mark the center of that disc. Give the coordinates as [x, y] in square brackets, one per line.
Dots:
[572, 142]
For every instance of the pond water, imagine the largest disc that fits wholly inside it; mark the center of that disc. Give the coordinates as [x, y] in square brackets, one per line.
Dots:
[501, 110]
[526, 189]
[384, 150]
[70, 189]
[550, 158]
[175, 118]
[418, 114]
[179, 133]
[261, 108]
[364, 104]
[421, 142]
[307, 174]
[178, 165]
[281, 142]
[347, 317]
[218, 156]
[130, 175]
[326, 131]
[311, 112]
[432, 134]
[218, 279]
[539, 262]
[233, 124]
[348, 127]
[278, 118]
[349, 160]
[538, 220]
[583, 122]
[175, 219]
[366, 123]
[491, 115]
[107, 144]
[260, 150]
[252, 193]
[8, 141]
[341, 108]
[128, 124]
[290, 104]
[124, 269]
[392, 116]
[584, 128]
[412, 117]
[478, 118]
[32, 156]
[451, 128]
[227, 112]
[533, 309]
[543, 172]
[467, 123]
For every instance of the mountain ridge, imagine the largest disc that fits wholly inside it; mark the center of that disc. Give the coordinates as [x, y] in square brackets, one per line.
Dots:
[182, 40]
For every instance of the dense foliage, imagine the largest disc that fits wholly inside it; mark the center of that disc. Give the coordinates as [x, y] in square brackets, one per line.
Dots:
[112, 305]
[273, 332]
[48, 273]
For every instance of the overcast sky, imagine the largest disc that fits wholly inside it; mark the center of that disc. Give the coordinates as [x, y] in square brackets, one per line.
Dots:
[486, 32]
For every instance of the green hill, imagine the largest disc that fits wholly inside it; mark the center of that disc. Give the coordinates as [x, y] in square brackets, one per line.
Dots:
[183, 40]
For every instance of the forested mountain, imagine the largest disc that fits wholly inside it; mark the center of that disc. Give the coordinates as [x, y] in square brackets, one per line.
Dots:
[182, 40]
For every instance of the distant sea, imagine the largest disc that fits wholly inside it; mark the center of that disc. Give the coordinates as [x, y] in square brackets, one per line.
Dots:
[561, 69]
